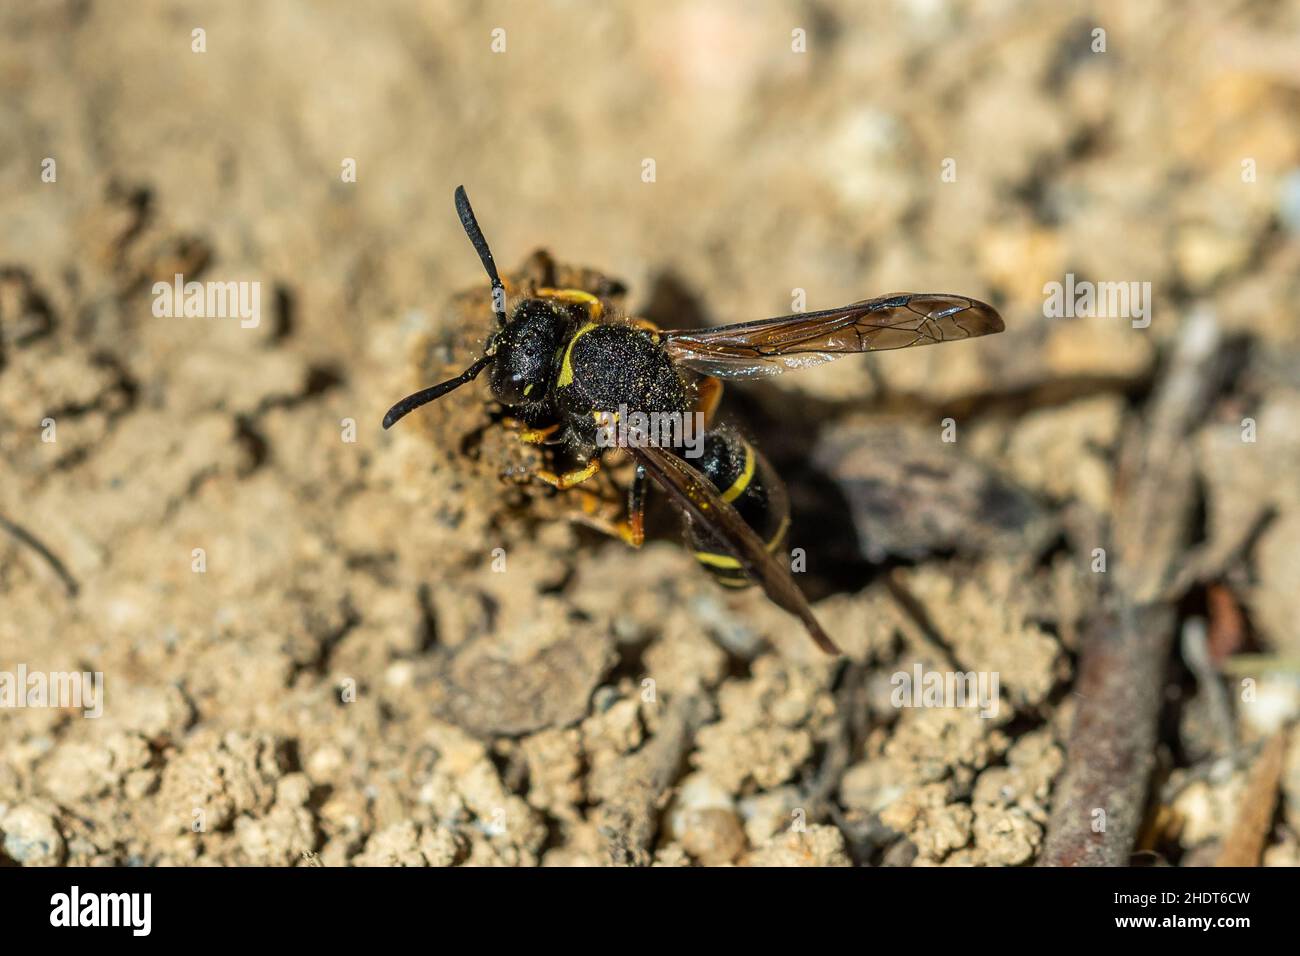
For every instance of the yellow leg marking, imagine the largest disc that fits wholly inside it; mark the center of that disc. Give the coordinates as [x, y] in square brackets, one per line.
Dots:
[569, 478]
[532, 436]
[535, 436]
[595, 308]
[635, 530]
[630, 532]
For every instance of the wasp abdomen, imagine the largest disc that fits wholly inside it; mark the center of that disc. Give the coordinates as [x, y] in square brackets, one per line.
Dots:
[748, 482]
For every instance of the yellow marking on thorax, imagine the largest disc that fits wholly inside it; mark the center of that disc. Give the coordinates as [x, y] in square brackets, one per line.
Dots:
[595, 308]
[746, 476]
[566, 364]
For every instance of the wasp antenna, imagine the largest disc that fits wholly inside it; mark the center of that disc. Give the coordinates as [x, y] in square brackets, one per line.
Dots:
[471, 227]
[427, 395]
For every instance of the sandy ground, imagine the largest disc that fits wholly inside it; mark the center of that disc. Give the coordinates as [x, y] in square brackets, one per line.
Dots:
[322, 643]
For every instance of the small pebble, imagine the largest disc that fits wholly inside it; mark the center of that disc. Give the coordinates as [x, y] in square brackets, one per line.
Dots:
[712, 835]
[31, 838]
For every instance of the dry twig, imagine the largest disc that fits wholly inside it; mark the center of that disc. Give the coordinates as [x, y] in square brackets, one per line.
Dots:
[1101, 795]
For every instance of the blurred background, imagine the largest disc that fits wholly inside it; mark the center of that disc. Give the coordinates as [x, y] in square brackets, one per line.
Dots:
[309, 650]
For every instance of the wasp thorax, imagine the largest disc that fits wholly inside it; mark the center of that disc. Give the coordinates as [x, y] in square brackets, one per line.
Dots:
[523, 362]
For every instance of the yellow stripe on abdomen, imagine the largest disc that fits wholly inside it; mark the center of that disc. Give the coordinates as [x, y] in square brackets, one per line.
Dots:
[713, 560]
[720, 563]
[746, 476]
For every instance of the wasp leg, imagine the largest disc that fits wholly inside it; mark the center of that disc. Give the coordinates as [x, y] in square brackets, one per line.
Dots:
[595, 308]
[629, 529]
[537, 436]
[528, 435]
[636, 507]
[568, 479]
[708, 391]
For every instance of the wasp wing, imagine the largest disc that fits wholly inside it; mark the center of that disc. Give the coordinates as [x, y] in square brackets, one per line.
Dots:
[803, 340]
[693, 494]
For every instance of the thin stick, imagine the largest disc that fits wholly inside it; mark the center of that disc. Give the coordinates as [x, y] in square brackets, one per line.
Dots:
[1101, 795]
[23, 536]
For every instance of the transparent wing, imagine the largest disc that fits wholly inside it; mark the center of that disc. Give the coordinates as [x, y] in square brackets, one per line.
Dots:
[771, 346]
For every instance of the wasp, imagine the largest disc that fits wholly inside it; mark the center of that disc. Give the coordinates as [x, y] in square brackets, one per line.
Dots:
[561, 367]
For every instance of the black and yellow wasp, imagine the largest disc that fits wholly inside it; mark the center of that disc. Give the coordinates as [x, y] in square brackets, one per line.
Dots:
[561, 366]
